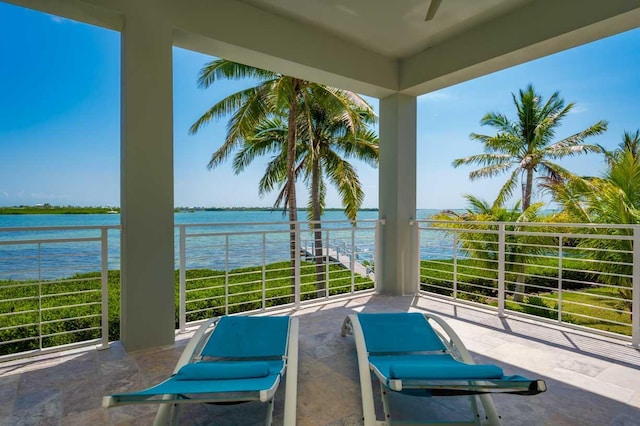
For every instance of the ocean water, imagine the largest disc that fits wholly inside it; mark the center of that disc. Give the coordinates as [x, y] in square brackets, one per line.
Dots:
[30, 260]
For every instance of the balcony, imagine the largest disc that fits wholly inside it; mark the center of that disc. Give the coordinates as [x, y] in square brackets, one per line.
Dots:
[592, 380]
[588, 358]
[60, 286]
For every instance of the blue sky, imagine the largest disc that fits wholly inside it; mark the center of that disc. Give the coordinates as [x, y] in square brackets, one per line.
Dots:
[60, 118]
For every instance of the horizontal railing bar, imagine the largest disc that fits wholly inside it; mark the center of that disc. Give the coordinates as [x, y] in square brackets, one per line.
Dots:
[576, 314]
[527, 224]
[19, 299]
[47, 241]
[263, 232]
[13, 327]
[70, 332]
[57, 228]
[23, 339]
[73, 293]
[51, 308]
[282, 223]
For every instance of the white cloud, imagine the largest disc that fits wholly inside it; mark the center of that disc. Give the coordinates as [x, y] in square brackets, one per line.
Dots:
[435, 97]
[60, 20]
[579, 109]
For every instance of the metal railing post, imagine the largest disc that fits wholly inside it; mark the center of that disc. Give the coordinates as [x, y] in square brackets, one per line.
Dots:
[40, 296]
[560, 278]
[352, 261]
[104, 284]
[501, 252]
[297, 265]
[327, 266]
[415, 277]
[264, 270]
[182, 304]
[226, 274]
[455, 266]
[635, 290]
[377, 269]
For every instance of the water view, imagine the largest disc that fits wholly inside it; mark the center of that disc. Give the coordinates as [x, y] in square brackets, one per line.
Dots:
[63, 259]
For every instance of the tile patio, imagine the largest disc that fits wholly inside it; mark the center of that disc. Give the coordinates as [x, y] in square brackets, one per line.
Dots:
[592, 380]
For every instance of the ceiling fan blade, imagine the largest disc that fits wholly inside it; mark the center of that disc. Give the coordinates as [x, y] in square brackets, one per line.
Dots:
[433, 8]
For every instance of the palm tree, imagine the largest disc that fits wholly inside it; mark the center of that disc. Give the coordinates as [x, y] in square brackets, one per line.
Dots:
[630, 144]
[612, 198]
[274, 95]
[525, 146]
[483, 247]
[327, 139]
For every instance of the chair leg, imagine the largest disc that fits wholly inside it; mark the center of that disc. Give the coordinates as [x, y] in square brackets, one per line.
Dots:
[385, 404]
[167, 415]
[349, 326]
[474, 409]
[493, 419]
[269, 420]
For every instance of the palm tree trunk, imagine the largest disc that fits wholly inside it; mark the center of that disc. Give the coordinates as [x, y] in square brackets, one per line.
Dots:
[526, 192]
[317, 234]
[518, 295]
[291, 185]
[520, 289]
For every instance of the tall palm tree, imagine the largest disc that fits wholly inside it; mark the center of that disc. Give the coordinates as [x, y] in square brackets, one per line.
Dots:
[327, 139]
[525, 146]
[274, 95]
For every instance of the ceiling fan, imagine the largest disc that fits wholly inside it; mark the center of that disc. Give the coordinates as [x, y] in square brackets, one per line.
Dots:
[433, 8]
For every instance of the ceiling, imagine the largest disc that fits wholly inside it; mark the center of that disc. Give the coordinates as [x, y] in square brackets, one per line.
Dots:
[393, 28]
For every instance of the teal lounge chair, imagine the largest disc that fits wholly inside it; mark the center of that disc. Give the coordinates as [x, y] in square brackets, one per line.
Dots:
[409, 356]
[229, 359]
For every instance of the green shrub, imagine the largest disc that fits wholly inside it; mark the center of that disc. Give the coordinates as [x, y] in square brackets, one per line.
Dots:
[71, 308]
[535, 305]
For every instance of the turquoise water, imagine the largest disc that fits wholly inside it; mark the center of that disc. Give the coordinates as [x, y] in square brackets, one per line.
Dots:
[62, 259]
[227, 216]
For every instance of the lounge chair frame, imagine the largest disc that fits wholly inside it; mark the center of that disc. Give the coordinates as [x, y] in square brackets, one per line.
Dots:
[476, 390]
[169, 404]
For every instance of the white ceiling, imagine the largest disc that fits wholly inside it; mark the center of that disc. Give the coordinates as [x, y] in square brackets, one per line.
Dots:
[393, 28]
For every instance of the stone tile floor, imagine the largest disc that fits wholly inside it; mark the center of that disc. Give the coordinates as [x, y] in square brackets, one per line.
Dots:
[591, 380]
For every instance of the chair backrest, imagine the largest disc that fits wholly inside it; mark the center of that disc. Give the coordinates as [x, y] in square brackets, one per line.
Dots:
[248, 337]
[399, 332]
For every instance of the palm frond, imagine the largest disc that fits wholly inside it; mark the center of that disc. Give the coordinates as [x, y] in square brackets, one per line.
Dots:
[506, 191]
[224, 69]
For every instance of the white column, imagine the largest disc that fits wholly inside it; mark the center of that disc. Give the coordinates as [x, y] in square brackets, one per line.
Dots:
[147, 265]
[398, 194]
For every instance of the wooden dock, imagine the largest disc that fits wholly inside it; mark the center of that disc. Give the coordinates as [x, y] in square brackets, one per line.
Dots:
[343, 258]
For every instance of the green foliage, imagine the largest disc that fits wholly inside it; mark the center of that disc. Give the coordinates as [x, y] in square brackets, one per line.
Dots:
[71, 308]
[612, 198]
[582, 304]
[535, 305]
[483, 247]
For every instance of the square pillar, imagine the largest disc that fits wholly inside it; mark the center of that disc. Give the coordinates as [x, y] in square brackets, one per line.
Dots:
[147, 241]
[397, 186]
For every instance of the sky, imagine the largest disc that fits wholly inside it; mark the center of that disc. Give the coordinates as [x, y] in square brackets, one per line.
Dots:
[60, 119]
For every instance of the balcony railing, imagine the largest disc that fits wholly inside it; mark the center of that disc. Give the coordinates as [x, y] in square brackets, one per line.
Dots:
[585, 276]
[54, 287]
[59, 286]
[241, 267]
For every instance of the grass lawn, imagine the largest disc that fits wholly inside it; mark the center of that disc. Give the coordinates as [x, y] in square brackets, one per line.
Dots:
[579, 302]
[578, 306]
